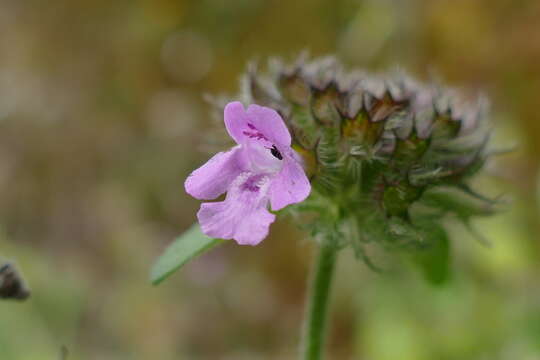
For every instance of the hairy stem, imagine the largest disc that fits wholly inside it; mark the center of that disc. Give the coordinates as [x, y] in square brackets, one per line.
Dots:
[315, 321]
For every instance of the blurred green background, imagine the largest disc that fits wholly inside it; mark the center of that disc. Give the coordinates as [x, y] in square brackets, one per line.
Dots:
[102, 118]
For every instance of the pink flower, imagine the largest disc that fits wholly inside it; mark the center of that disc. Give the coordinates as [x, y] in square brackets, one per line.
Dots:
[262, 169]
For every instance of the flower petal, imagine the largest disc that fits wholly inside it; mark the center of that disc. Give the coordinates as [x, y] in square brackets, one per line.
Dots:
[270, 124]
[213, 178]
[290, 185]
[236, 121]
[243, 215]
[250, 229]
[258, 122]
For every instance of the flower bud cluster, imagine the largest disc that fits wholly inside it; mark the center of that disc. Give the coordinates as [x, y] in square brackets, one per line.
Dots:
[387, 157]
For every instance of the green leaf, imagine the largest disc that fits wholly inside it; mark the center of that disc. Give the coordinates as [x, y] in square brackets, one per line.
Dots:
[434, 260]
[184, 248]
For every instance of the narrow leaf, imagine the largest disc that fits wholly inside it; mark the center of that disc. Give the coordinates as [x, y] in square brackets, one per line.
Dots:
[184, 248]
[434, 260]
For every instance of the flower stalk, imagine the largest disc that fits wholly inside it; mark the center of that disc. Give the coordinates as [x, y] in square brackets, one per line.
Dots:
[315, 322]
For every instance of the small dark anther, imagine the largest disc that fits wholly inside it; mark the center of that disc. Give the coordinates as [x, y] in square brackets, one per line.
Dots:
[276, 152]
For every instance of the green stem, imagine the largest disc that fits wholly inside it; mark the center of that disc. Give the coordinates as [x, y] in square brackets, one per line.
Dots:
[317, 304]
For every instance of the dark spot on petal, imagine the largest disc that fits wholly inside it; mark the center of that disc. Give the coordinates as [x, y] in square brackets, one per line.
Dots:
[276, 152]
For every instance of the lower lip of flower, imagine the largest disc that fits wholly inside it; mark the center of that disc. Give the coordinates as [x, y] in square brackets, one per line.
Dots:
[253, 183]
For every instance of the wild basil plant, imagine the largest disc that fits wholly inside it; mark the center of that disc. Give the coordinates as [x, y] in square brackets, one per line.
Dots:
[359, 160]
